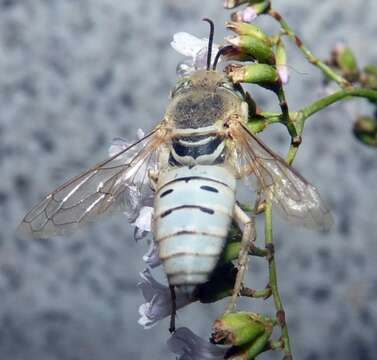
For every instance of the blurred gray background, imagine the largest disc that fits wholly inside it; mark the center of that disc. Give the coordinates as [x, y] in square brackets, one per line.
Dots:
[74, 75]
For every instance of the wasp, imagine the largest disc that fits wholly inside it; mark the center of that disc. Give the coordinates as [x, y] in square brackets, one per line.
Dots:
[192, 162]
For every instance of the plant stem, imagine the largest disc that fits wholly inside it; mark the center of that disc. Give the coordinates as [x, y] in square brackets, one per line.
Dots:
[280, 313]
[333, 98]
[300, 116]
[329, 73]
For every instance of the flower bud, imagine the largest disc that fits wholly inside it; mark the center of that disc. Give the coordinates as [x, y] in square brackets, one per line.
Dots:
[281, 61]
[250, 351]
[233, 244]
[242, 28]
[370, 70]
[237, 54]
[251, 12]
[256, 48]
[238, 329]
[344, 58]
[365, 130]
[369, 77]
[261, 74]
[230, 4]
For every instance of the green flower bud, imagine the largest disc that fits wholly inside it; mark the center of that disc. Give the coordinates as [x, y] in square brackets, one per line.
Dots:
[250, 351]
[231, 251]
[281, 61]
[237, 54]
[369, 77]
[258, 49]
[230, 4]
[250, 13]
[261, 74]
[365, 130]
[242, 28]
[344, 58]
[370, 70]
[239, 328]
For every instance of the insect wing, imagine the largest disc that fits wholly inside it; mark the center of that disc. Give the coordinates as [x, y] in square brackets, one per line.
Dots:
[294, 198]
[113, 184]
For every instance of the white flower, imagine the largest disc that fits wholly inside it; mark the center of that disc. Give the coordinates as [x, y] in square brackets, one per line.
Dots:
[158, 303]
[191, 347]
[144, 220]
[248, 14]
[283, 73]
[195, 49]
[152, 257]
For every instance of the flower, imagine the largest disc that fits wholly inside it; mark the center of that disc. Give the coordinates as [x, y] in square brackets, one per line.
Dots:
[152, 257]
[249, 14]
[191, 347]
[144, 220]
[158, 303]
[195, 49]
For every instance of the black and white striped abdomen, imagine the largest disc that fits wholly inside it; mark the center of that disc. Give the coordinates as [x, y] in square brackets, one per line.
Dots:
[193, 212]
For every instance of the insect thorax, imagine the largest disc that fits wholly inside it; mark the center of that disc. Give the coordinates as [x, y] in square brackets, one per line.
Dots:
[200, 107]
[202, 100]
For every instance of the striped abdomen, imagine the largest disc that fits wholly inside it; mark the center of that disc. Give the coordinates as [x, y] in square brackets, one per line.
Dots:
[193, 211]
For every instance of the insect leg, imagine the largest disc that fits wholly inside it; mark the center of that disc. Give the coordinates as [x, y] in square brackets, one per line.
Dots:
[153, 179]
[173, 309]
[248, 236]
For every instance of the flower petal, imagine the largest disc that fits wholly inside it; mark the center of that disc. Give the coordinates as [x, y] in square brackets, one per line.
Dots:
[144, 220]
[152, 257]
[249, 14]
[158, 303]
[187, 44]
[191, 347]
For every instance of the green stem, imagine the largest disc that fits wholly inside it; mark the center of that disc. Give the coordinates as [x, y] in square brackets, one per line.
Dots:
[333, 98]
[300, 116]
[280, 313]
[330, 73]
[285, 113]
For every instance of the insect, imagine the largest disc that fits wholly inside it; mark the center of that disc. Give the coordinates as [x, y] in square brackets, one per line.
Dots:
[191, 162]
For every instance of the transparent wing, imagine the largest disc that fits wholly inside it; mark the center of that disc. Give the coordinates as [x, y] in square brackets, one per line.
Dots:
[294, 198]
[115, 183]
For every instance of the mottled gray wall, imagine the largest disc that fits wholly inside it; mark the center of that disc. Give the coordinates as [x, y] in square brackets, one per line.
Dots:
[75, 74]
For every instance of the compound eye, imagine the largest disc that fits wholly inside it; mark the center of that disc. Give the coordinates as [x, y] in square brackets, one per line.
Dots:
[185, 68]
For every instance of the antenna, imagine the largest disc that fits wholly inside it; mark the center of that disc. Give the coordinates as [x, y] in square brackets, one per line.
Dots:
[222, 51]
[210, 42]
